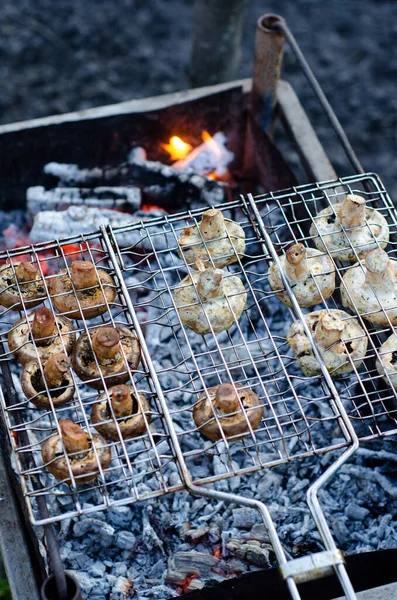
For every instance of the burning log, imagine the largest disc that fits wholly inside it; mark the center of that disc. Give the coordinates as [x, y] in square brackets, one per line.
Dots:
[125, 198]
[173, 185]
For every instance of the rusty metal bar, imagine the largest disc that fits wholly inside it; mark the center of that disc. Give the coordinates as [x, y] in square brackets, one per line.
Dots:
[269, 45]
[216, 53]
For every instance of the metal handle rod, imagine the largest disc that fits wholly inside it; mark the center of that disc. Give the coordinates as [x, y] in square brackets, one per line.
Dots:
[280, 24]
[312, 497]
[184, 472]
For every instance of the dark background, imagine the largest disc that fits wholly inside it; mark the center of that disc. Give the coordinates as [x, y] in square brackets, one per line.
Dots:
[59, 56]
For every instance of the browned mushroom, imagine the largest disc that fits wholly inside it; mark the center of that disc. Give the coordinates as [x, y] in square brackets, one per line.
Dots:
[128, 410]
[79, 448]
[81, 294]
[41, 335]
[107, 345]
[31, 290]
[233, 410]
[58, 378]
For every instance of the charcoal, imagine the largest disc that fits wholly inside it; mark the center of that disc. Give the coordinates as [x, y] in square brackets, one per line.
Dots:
[358, 513]
[184, 564]
[244, 518]
[125, 540]
[127, 198]
[119, 516]
[196, 535]
[103, 531]
[85, 580]
[251, 551]
[98, 569]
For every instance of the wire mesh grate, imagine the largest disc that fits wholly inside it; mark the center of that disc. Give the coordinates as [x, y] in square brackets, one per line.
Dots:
[288, 216]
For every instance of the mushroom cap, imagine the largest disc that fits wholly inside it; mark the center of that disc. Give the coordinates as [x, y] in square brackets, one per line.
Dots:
[313, 287]
[387, 365]
[234, 425]
[339, 243]
[114, 370]
[195, 313]
[336, 358]
[19, 340]
[84, 467]
[32, 292]
[223, 250]
[130, 427]
[360, 296]
[92, 300]
[34, 390]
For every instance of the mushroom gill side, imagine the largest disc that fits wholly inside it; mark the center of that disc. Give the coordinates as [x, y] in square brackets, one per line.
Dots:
[105, 357]
[40, 335]
[21, 286]
[71, 454]
[125, 412]
[229, 409]
[56, 377]
[339, 338]
[86, 293]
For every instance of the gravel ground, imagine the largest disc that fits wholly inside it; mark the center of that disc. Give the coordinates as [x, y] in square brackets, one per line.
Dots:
[69, 55]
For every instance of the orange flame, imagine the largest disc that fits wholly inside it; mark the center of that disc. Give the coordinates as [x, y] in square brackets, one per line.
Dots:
[217, 553]
[177, 148]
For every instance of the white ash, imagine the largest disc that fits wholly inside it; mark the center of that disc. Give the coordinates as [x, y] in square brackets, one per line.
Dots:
[147, 543]
[60, 198]
[212, 156]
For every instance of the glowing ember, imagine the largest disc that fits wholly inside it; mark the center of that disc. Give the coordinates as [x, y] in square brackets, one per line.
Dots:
[177, 148]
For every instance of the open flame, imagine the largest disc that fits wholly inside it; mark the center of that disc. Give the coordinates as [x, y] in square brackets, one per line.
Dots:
[210, 158]
[177, 148]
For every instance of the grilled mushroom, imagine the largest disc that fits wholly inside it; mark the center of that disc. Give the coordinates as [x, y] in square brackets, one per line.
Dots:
[387, 365]
[37, 337]
[82, 290]
[310, 272]
[208, 298]
[128, 410]
[339, 339]
[79, 448]
[224, 240]
[31, 286]
[371, 289]
[57, 376]
[349, 229]
[233, 410]
[108, 345]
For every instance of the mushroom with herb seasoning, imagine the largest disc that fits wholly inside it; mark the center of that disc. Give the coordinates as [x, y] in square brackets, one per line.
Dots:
[349, 229]
[224, 240]
[209, 298]
[340, 340]
[386, 364]
[236, 407]
[86, 293]
[41, 335]
[31, 291]
[310, 272]
[106, 348]
[58, 378]
[129, 410]
[370, 289]
[79, 448]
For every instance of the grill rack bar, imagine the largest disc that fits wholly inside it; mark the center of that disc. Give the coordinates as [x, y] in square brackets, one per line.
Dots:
[289, 415]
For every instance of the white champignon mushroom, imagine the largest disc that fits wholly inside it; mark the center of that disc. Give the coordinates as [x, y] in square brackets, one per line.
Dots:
[310, 272]
[386, 364]
[339, 338]
[216, 238]
[210, 298]
[349, 229]
[370, 289]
